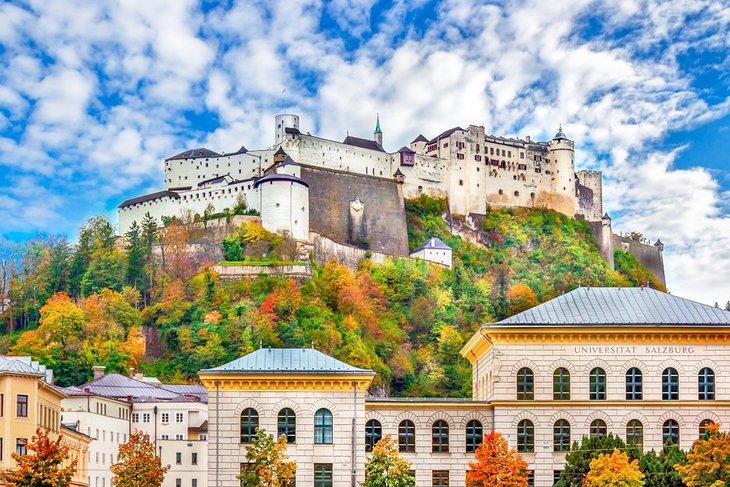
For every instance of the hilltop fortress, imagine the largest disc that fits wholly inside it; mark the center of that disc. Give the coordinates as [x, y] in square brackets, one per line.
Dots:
[353, 191]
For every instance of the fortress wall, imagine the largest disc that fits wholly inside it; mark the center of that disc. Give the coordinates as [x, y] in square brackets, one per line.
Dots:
[384, 210]
[326, 249]
[594, 181]
[317, 152]
[190, 172]
[647, 255]
[586, 202]
[427, 175]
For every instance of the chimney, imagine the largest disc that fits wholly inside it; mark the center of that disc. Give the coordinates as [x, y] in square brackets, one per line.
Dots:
[139, 375]
[98, 371]
[131, 372]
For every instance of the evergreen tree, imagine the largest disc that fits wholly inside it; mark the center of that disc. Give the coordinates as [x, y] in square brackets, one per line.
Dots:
[58, 266]
[659, 469]
[97, 234]
[727, 306]
[134, 273]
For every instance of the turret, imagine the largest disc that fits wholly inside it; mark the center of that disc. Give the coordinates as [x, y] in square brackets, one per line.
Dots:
[562, 157]
[283, 122]
[606, 240]
[659, 245]
[378, 134]
[284, 204]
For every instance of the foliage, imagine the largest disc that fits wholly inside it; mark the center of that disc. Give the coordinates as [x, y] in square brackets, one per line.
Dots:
[708, 462]
[496, 465]
[386, 468]
[578, 459]
[267, 462]
[251, 241]
[660, 469]
[614, 470]
[45, 465]
[635, 273]
[138, 464]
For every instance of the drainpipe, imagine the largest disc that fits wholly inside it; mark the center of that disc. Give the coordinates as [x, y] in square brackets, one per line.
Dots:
[354, 434]
[217, 435]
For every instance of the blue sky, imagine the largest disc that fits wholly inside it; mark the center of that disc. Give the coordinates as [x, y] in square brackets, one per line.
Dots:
[94, 95]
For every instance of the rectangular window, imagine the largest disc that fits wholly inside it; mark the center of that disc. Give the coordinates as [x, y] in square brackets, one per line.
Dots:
[556, 476]
[530, 478]
[145, 417]
[178, 417]
[135, 417]
[440, 478]
[194, 483]
[322, 475]
[20, 446]
[22, 408]
[194, 460]
[178, 458]
[459, 156]
[165, 437]
[165, 418]
[178, 482]
[1, 449]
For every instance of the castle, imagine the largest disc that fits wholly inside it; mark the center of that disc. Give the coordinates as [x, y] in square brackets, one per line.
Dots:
[353, 191]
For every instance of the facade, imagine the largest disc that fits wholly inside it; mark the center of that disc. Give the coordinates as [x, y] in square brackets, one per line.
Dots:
[434, 250]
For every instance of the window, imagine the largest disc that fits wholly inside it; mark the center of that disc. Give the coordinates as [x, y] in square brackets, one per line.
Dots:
[561, 384]
[598, 428]
[561, 435]
[322, 475]
[474, 435]
[703, 428]
[407, 436]
[670, 431]
[20, 446]
[249, 424]
[1, 449]
[323, 427]
[556, 476]
[194, 459]
[178, 458]
[22, 406]
[179, 417]
[706, 384]
[165, 418]
[2, 405]
[525, 436]
[178, 437]
[194, 483]
[597, 389]
[670, 384]
[635, 433]
[145, 417]
[634, 384]
[286, 424]
[135, 417]
[525, 385]
[440, 478]
[373, 434]
[530, 478]
[178, 482]
[440, 437]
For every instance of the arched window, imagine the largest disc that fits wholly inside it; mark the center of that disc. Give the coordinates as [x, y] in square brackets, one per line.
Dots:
[561, 384]
[323, 427]
[373, 434]
[670, 384]
[703, 426]
[597, 385]
[634, 384]
[525, 384]
[440, 437]
[249, 424]
[561, 435]
[407, 436]
[635, 433]
[598, 428]
[286, 424]
[706, 384]
[525, 436]
[474, 435]
[670, 431]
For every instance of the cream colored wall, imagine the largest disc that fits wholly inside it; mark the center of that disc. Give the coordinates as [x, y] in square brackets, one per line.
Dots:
[314, 151]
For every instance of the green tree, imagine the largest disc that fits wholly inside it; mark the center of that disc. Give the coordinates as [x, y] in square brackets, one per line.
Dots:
[578, 460]
[659, 468]
[386, 468]
[43, 465]
[96, 233]
[138, 464]
[267, 464]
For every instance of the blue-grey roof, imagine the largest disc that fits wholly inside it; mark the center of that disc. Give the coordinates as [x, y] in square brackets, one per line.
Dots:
[433, 243]
[620, 306]
[279, 177]
[120, 386]
[13, 366]
[287, 361]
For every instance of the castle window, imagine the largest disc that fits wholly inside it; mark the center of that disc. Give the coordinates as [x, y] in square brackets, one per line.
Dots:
[525, 385]
[597, 385]
[670, 384]
[517, 193]
[703, 426]
[373, 434]
[440, 437]
[670, 432]
[461, 182]
[503, 152]
[635, 433]
[561, 384]
[522, 155]
[706, 384]
[323, 427]
[249, 424]
[634, 384]
[561, 435]
[460, 156]
[474, 435]
[406, 436]
[501, 192]
[525, 436]
[598, 428]
[286, 424]
[491, 151]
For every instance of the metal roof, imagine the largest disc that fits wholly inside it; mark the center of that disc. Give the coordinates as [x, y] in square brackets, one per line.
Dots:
[196, 390]
[433, 243]
[116, 385]
[619, 306]
[363, 143]
[194, 154]
[14, 366]
[287, 361]
[149, 197]
[279, 177]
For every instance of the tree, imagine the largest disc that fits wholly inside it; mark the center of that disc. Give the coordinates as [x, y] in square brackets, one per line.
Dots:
[614, 470]
[496, 465]
[578, 460]
[45, 465]
[659, 469]
[521, 297]
[708, 462]
[385, 468]
[727, 306]
[267, 465]
[137, 464]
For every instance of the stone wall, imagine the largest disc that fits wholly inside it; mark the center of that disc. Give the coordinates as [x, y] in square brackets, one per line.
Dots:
[297, 271]
[647, 255]
[326, 249]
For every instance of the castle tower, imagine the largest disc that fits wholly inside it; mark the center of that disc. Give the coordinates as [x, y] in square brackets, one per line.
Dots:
[284, 121]
[562, 158]
[378, 134]
[606, 242]
[284, 205]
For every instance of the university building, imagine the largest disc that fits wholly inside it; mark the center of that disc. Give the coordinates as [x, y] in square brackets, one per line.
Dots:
[645, 365]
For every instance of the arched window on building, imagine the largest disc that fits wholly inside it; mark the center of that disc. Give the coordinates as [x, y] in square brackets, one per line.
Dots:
[670, 431]
[286, 424]
[406, 436]
[634, 384]
[703, 426]
[561, 435]
[561, 384]
[525, 436]
[323, 427]
[635, 433]
[706, 384]
[249, 424]
[373, 434]
[597, 384]
[670, 384]
[525, 384]
[598, 428]
[440, 437]
[474, 435]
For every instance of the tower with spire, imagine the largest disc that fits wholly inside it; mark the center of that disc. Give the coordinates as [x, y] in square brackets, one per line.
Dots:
[378, 134]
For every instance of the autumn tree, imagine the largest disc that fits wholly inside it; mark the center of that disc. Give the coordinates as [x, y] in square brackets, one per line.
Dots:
[708, 462]
[614, 470]
[521, 297]
[578, 460]
[45, 465]
[138, 464]
[386, 468]
[496, 465]
[267, 462]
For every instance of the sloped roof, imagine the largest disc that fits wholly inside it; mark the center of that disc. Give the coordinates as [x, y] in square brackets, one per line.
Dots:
[196, 390]
[445, 134]
[287, 361]
[149, 197]
[279, 177]
[406, 149]
[420, 138]
[363, 143]
[217, 179]
[433, 243]
[619, 306]
[117, 385]
[11, 366]
[194, 154]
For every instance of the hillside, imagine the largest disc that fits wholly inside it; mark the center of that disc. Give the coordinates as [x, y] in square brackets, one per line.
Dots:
[77, 307]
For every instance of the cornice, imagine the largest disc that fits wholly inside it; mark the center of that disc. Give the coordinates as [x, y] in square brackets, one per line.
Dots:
[286, 382]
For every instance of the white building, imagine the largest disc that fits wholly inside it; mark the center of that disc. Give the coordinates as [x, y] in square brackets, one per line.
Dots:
[434, 250]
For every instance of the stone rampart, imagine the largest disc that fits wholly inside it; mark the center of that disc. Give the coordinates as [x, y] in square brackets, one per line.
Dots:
[647, 255]
[296, 271]
[326, 249]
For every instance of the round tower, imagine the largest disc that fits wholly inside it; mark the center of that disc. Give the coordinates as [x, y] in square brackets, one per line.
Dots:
[284, 121]
[284, 205]
[562, 167]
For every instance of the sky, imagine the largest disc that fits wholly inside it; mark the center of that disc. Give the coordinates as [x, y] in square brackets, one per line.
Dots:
[94, 96]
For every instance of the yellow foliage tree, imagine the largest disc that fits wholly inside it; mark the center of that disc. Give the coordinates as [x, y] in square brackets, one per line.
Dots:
[708, 462]
[614, 470]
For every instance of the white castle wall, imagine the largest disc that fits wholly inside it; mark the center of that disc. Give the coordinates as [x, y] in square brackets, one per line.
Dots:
[285, 208]
[314, 151]
[190, 172]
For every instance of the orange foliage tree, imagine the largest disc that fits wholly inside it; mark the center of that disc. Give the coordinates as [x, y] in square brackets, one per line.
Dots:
[708, 462]
[138, 464]
[43, 465]
[496, 465]
[521, 297]
[614, 470]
